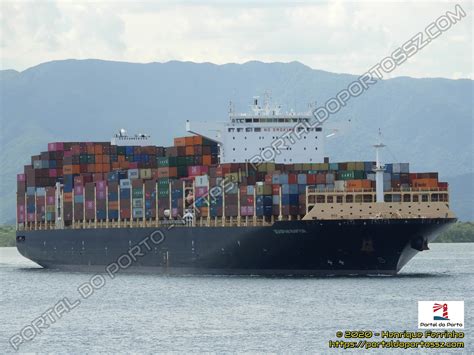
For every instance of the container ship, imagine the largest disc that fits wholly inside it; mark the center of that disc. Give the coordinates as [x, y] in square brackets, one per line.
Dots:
[226, 199]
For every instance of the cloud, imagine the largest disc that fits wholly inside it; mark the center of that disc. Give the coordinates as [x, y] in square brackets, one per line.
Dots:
[335, 36]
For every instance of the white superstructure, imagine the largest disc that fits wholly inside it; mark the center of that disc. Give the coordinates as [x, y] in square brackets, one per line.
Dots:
[246, 135]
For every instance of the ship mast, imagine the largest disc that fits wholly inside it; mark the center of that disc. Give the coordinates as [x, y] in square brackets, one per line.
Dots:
[379, 169]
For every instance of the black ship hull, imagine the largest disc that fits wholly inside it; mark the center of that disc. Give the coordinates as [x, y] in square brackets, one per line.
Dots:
[322, 247]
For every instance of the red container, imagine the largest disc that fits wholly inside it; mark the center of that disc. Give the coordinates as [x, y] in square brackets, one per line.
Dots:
[133, 165]
[197, 170]
[20, 212]
[275, 189]
[292, 179]
[268, 179]
[320, 178]
[201, 191]
[311, 179]
[53, 147]
[125, 213]
[20, 177]
[53, 173]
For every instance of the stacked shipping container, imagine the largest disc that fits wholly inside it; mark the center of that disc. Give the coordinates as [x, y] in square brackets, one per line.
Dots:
[102, 181]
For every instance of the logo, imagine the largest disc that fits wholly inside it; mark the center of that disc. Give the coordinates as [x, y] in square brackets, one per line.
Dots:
[434, 314]
[437, 307]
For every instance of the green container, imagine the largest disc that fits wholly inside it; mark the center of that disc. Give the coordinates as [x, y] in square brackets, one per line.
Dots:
[163, 193]
[164, 162]
[83, 159]
[163, 184]
[350, 175]
[181, 161]
[182, 171]
[137, 193]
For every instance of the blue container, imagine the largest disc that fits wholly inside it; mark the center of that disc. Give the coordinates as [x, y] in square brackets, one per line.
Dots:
[79, 199]
[113, 196]
[129, 150]
[301, 189]
[113, 214]
[368, 166]
[267, 210]
[302, 179]
[389, 168]
[334, 166]
[293, 199]
[30, 191]
[124, 193]
[283, 178]
[101, 214]
[176, 193]
[267, 200]
[293, 188]
[30, 208]
[113, 176]
[52, 164]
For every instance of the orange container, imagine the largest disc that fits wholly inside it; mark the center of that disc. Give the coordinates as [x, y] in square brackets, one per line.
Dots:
[197, 140]
[67, 196]
[98, 149]
[98, 159]
[358, 184]
[67, 170]
[204, 211]
[115, 165]
[121, 158]
[189, 140]
[180, 142]
[90, 149]
[105, 159]
[206, 160]
[124, 165]
[167, 172]
[105, 168]
[76, 169]
[189, 150]
[425, 184]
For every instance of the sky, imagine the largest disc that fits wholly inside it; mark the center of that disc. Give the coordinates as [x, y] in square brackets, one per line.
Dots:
[336, 36]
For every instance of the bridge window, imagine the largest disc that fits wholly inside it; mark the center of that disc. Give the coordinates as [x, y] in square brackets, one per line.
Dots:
[240, 129]
[257, 129]
[231, 129]
[318, 129]
[248, 129]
